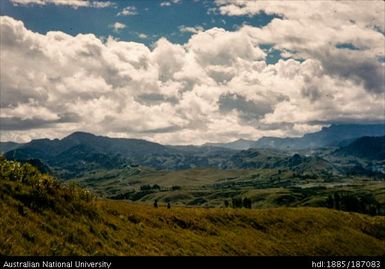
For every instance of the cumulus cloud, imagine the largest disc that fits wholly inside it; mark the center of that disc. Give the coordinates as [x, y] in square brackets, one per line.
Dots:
[117, 26]
[217, 47]
[72, 3]
[187, 29]
[169, 3]
[216, 87]
[128, 11]
[314, 29]
[142, 36]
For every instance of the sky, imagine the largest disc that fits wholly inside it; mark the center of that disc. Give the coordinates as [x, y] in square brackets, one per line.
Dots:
[189, 71]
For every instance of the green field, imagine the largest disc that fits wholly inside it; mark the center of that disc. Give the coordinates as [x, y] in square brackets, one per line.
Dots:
[41, 216]
[209, 187]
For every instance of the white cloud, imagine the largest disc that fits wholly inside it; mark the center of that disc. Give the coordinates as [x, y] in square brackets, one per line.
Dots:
[217, 46]
[30, 110]
[100, 4]
[216, 87]
[314, 9]
[71, 3]
[169, 3]
[128, 11]
[142, 36]
[314, 29]
[187, 29]
[117, 26]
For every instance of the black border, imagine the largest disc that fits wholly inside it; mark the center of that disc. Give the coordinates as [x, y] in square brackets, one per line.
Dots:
[234, 262]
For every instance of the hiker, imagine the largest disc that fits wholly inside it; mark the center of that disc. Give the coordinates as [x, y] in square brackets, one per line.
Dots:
[168, 205]
[156, 203]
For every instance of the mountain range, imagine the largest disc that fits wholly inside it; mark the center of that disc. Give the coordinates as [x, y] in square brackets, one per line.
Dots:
[334, 135]
[80, 152]
[328, 136]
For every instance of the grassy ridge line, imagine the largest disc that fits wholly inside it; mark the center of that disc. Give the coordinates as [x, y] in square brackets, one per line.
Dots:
[41, 217]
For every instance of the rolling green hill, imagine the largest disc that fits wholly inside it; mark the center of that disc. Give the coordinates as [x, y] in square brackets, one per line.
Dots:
[266, 188]
[41, 216]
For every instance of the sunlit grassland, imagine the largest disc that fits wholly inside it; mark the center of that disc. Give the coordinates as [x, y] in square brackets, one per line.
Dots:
[42, 217]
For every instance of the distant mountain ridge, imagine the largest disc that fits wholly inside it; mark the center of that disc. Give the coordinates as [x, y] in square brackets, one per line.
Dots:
[334, 135]
[83, 152]
[240, 144]
[328, 136]
[127, 147]
[80, 153]
[372, 148]
[7, 146]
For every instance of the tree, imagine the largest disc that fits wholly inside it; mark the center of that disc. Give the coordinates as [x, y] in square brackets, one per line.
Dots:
[145, 187]
[246, 202]
[237, 202]
[226, 203]
[337, 201]
[176, 188]
[330, 202]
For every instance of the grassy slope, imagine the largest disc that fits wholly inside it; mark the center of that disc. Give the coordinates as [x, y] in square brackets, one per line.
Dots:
[119, 228]
[60, 220]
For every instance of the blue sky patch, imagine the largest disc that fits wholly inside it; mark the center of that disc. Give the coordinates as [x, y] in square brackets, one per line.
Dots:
[348, 46]
[146, 23]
